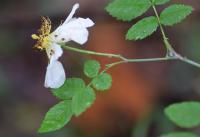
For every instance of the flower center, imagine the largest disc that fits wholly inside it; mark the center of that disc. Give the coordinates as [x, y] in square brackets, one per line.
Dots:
[43, 38]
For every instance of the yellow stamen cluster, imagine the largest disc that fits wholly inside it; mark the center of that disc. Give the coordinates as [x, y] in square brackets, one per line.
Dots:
[43, 34]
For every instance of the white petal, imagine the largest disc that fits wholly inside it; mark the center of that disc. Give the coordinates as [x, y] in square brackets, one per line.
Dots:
[60, 35]
[75, 30]
[55, 75]
[79, 36]
[54, 51]
[80, 22]
[75, 7]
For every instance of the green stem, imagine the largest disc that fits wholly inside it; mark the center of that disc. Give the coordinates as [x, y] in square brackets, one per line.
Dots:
[94, 53]
[168, 46]
[151, 59]
[108, 66]
[191, 62]
[125, 60]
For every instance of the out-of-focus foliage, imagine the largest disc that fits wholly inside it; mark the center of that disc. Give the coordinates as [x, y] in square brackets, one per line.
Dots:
[180, 134]
[185, 114]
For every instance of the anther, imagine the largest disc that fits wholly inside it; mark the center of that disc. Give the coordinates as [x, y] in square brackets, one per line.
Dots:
[51, 52]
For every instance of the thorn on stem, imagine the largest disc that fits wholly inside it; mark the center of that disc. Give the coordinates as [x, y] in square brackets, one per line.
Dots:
[172, 54]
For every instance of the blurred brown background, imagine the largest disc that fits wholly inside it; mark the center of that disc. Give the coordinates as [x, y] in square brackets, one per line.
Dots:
[134, 105]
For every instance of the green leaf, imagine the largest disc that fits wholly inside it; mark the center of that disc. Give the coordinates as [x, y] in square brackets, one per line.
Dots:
[179, 134]
[175, 14]
[82, 100]
[160, 2]
[127, 10]
[56, 117]
[70, 86]
[91, 68]
[142, 29]
[102, 82]
[186, 114]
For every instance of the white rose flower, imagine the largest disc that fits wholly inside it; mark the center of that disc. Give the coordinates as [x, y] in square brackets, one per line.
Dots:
[72, 29]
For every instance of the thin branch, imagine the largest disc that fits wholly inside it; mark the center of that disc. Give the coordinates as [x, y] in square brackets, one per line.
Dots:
[94, 53]
[118, 56]
[191, 62]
